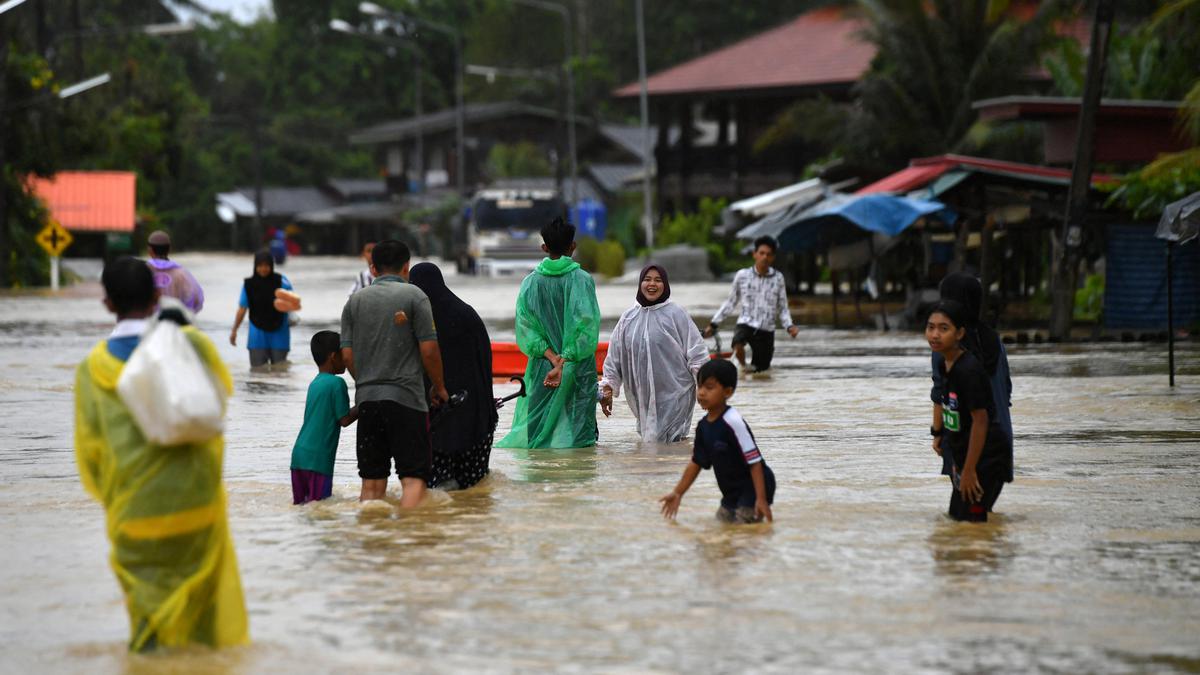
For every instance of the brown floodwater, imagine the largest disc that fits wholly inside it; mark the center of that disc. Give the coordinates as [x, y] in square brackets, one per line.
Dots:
[560, 560]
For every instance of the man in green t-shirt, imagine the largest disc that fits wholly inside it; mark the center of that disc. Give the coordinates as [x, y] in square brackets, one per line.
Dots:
[558, 328]
[326, 410]
[389, 344]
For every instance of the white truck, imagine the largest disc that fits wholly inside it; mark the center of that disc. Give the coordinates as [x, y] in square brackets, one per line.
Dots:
[503, 233]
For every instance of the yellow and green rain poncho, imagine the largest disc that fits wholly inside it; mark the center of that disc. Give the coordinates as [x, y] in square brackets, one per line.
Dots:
[165, 507]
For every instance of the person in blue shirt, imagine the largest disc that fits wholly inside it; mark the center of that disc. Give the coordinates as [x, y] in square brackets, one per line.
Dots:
[725, 444]
[326, 410]
[270, 336]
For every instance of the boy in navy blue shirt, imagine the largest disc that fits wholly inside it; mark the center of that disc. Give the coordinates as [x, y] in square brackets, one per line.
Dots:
[725, 444]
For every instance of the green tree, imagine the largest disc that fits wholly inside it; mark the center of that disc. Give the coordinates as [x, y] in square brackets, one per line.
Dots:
[517, 160]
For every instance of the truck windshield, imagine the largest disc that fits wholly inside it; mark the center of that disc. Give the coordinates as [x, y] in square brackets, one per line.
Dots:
[515, 210]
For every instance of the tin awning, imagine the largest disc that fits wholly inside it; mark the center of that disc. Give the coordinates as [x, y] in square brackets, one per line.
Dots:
[95, 201]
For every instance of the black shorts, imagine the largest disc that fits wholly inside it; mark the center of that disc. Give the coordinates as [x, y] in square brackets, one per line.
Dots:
[387, 431]
[747, 497]
[761, 342]
[977, 511]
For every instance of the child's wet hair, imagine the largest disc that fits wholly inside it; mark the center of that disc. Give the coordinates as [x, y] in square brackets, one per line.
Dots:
[955, 311]
[324, 343]
[558, 235]
[129, 285]
[724, 372]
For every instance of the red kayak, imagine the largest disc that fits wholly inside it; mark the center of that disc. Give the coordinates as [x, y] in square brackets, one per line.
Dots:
[507, 359]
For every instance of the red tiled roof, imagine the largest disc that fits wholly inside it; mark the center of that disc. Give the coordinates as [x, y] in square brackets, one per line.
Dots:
[100, 201]
[925, 170]
[818, 47]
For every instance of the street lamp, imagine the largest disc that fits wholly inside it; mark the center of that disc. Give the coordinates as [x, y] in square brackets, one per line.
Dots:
[80, 87]
[570, 52]
[10, 5]
[398, 19]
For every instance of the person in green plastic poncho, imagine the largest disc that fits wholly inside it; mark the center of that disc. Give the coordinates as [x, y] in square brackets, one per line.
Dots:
[558, 327]
[164, 506]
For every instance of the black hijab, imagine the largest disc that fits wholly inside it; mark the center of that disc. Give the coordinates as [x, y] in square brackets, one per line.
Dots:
[666, 293]
[466, 363]
[981, 340]
[260, 295]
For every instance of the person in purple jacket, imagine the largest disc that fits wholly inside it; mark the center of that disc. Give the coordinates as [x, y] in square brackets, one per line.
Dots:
[170, 277]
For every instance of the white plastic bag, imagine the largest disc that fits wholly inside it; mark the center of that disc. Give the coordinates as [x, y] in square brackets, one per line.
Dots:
[171, 395]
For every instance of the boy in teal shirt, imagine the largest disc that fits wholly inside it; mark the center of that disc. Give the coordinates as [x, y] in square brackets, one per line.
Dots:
[326, 411]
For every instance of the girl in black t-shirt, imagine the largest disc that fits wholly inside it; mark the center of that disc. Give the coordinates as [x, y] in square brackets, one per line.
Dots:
[969, 429]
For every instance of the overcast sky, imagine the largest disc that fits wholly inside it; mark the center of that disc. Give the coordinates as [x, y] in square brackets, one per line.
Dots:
[242, 10]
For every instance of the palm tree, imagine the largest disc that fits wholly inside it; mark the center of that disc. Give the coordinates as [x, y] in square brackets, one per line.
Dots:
[934, 58]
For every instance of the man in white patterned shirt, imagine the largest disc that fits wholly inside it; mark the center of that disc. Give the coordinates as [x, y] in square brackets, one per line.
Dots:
[762, 293]
[364, 277]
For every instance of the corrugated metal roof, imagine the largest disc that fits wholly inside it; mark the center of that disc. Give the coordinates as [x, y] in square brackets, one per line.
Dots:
[629, 138]
[351, 188]
[445, 120]
[770, 202]
[907, 179]
[614, 177]
[277, 201]
[921, 172]
[96, 201]
[819, 47]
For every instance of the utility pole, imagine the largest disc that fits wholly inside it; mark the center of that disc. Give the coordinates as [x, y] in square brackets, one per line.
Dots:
[419, 107]
[643, 101]
[1070, 240]
[5, 253]
[257, 231]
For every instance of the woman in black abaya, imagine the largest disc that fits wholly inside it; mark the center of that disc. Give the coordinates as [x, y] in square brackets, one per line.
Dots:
[462, 442]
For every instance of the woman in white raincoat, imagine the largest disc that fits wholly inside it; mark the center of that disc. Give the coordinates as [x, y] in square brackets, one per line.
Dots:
[655, 351]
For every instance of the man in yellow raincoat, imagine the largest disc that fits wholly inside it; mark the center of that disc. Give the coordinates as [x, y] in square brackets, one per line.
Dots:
[558, 328]
[165, 506]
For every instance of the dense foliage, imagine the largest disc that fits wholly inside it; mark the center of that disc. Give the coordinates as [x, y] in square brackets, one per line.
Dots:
[203, 112]
[207, 111]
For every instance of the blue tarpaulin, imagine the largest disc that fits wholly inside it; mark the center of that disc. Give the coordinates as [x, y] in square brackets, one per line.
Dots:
[824, 223]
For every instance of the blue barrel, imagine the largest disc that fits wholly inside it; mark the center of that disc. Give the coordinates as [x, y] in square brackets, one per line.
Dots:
[590, 218]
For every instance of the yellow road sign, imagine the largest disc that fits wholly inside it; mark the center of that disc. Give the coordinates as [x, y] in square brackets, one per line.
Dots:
[54, 238]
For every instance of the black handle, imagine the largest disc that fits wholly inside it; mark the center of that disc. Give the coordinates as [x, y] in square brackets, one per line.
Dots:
[501, 401]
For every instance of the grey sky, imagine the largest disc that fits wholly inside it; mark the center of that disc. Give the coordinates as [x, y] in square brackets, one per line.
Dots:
[242, 10]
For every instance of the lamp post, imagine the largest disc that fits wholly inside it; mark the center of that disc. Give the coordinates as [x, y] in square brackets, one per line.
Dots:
[418, 105]
[569, 48]
[372, 9]
[4, 7]
[644, 105]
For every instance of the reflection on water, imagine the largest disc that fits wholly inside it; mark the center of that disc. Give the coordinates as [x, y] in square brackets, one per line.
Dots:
[560, 560]
[556, 466]
[971, 551]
